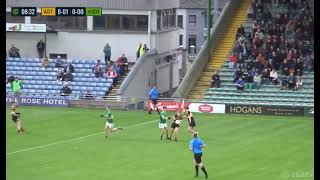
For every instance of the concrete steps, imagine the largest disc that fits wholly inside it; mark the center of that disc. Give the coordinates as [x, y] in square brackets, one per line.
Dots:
[220, 53]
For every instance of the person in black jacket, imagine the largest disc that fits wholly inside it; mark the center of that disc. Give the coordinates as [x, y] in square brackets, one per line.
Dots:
[65, 90]
[69, 68]
[237, 74]
[40, 47]
[215, 80]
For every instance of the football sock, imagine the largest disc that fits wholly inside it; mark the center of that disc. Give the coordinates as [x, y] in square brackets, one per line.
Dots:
[204, 171]
[197, 169]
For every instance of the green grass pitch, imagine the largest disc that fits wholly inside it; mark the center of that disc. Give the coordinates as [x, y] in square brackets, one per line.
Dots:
[68, 144]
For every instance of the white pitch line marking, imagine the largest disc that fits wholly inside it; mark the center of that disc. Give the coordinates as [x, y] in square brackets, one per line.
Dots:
[70, 140]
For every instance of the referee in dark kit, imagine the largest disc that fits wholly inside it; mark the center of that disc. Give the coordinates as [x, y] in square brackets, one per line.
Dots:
[196, 146]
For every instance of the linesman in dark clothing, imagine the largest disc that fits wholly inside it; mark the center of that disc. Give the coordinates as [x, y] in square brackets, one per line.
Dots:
[196, 145]
[15, 116]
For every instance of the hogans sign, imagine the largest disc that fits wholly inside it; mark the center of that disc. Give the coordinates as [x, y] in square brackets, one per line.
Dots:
[265, 110]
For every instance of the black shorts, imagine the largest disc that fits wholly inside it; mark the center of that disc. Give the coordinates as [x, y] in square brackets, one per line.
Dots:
[154, 101]
[15, 120]
[174, 125]
[197, 158]
[192, 124]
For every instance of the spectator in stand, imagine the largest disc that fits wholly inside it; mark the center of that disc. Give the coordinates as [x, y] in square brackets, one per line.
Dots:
[45, 62]
[122, 62]
[109, 65]
[68, 68]
[249, 80]
[265, 76]
[97, 69]
[260, 61]
[112, 74]
[40, 48]
[215, 80]
[88, 96]
[241, 61]
[237, 75]
[292, 81]
[59, 63]
[232, 60]
[284, 83]
[65, 90]
[107, 53]
[10, 79]
[284, 68]
[61, 75]
[273, 77]
[257, 80]
[117, 69]
[241, 31]
[14, 52]
[240, 83]
[68, 76]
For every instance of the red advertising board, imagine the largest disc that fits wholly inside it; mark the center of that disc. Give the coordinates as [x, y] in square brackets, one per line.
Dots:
[170, 105]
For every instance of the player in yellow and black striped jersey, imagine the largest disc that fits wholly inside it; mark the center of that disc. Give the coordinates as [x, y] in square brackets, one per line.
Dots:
[15, 116]
[177, 118]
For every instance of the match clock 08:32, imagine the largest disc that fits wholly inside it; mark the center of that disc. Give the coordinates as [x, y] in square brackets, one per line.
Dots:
[23, 11]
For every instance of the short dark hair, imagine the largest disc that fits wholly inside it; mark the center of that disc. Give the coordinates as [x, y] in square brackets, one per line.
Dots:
[195, 135]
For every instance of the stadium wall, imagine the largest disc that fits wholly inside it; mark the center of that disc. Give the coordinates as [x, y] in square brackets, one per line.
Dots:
[88, 45]
[78, 45]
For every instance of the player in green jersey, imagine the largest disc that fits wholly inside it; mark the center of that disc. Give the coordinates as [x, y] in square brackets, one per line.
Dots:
[109, 127]
[163, 123]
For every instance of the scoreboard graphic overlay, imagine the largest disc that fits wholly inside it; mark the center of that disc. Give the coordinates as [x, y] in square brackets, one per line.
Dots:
[57, 11]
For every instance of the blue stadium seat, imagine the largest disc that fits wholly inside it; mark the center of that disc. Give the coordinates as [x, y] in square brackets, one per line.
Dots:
[32, 91]
[52, 92]
[33, 73]
[10, 58]
[34, 86]
[87, 66]
[83, 61]
[83, 89]
[89, 88]
[45, 91]
[95, 88]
